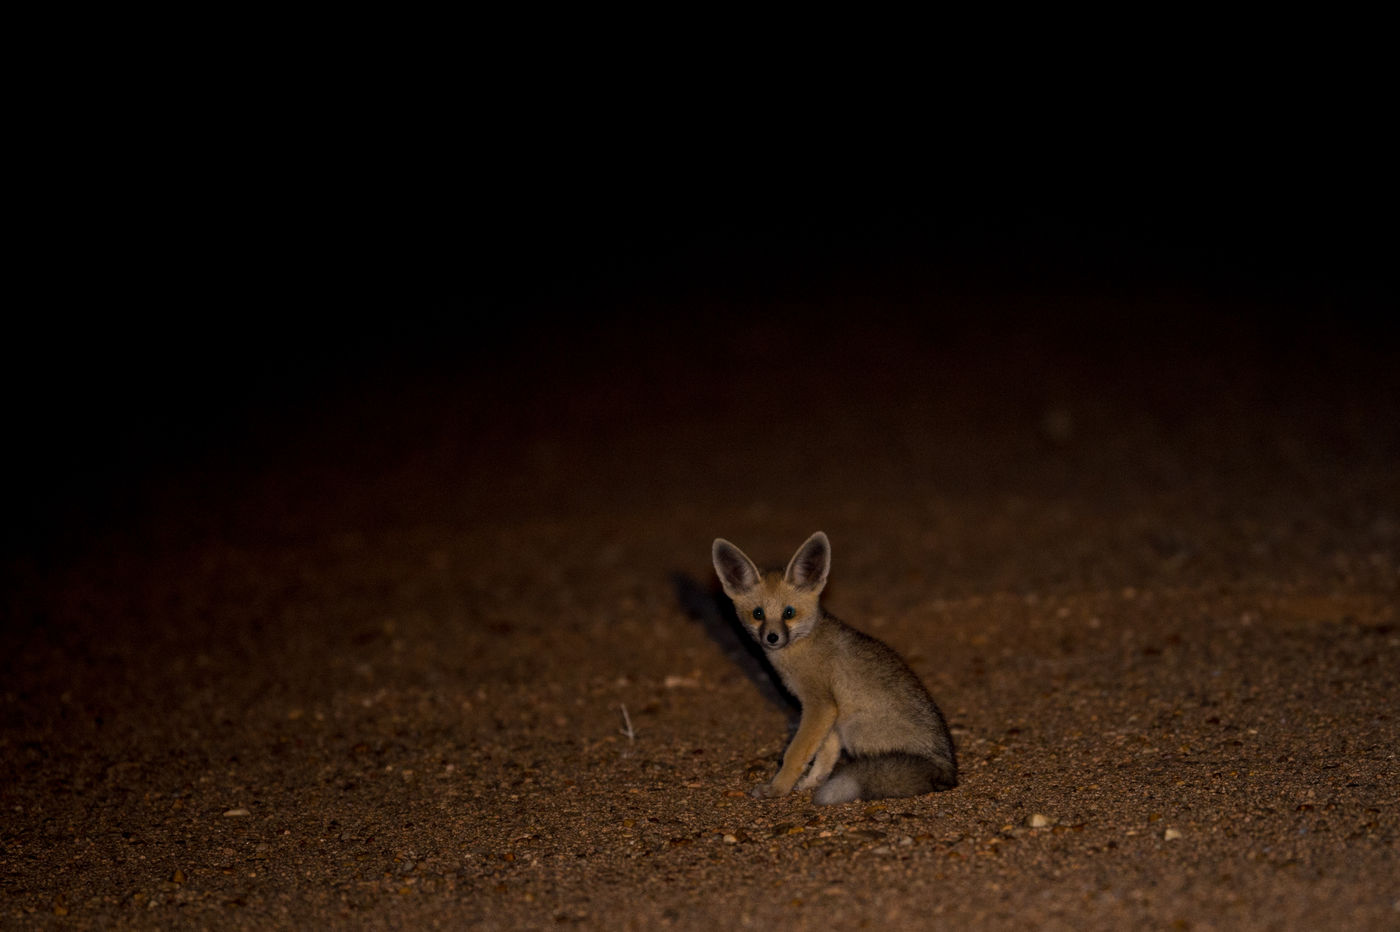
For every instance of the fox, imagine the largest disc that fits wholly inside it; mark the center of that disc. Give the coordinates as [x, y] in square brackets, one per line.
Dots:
[869, 728]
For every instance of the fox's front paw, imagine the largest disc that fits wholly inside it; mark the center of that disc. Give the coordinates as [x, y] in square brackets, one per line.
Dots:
[766, 791]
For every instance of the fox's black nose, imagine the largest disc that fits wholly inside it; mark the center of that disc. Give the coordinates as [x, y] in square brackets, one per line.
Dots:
[772, 637]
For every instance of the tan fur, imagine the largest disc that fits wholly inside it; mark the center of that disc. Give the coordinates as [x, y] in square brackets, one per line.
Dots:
[858, 697]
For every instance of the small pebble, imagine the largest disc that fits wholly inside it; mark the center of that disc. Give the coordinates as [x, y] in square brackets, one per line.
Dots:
[1171, 834]
[1038, 820]
[1057, 425]
[237, 813]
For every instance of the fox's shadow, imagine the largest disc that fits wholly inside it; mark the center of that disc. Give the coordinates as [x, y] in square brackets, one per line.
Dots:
[712, 609]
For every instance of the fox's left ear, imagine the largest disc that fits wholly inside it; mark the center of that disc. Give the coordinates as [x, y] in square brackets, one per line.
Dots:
[737, 574]
[811, 563]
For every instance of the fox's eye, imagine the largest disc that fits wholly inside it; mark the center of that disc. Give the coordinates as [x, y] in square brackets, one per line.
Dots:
[789, 612]
[758, 614]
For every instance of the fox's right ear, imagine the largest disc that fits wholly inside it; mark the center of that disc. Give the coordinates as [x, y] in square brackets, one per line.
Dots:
[737, 574]
[810, 564]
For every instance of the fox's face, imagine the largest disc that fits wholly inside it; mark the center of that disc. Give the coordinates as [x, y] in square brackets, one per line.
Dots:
[776, 608]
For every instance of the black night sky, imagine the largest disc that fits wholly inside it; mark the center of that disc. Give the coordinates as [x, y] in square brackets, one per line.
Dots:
[216, 311]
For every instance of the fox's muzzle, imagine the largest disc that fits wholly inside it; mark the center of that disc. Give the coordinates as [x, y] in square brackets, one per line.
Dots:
[772, 635]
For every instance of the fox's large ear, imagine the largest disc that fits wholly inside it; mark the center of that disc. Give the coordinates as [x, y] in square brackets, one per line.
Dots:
[737, 574]
[811, 563]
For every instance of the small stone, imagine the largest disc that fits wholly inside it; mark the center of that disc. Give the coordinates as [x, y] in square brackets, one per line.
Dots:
[1057, 425]
[237, 813]
[731, 839]
[1039, 820]
[1171, 834]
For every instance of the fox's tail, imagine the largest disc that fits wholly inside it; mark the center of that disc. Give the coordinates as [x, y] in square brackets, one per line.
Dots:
[877, 776]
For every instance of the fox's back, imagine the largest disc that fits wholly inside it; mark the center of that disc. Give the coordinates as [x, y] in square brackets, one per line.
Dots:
[881, 704]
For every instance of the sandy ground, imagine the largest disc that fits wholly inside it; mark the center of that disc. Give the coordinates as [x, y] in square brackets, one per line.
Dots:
[367, 660]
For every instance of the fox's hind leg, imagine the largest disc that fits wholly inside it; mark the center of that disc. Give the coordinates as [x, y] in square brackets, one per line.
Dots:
[827, 755]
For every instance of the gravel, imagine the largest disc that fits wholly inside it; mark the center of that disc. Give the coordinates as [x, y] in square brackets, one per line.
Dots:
[455, 658]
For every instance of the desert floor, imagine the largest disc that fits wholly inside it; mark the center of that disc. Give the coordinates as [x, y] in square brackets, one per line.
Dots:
[364, 653]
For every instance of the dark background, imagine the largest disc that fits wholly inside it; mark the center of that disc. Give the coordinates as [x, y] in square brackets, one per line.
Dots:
[213, 317]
